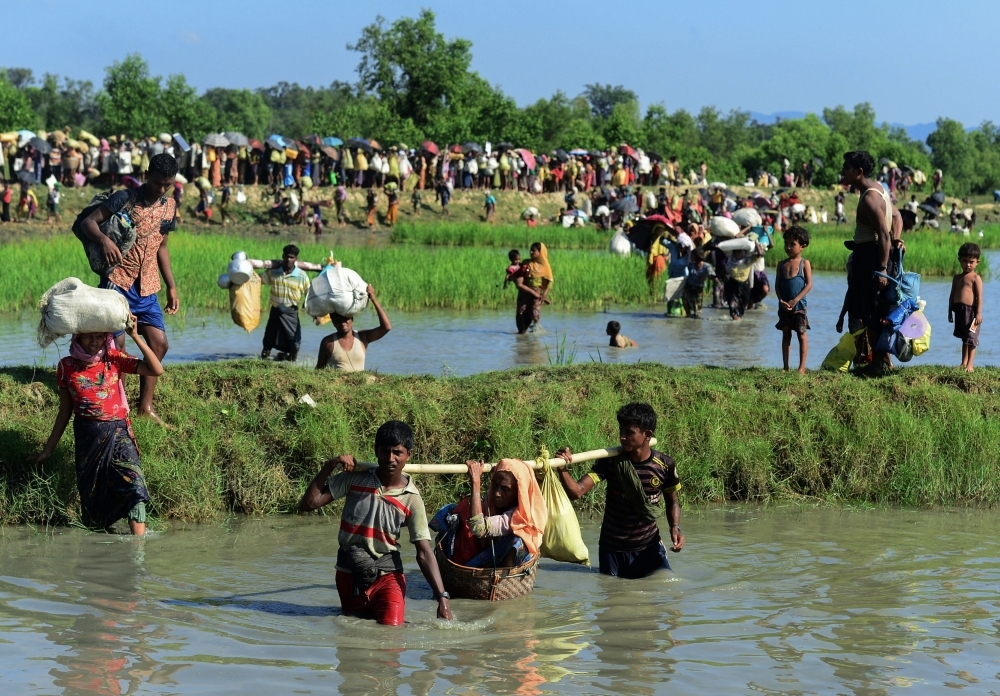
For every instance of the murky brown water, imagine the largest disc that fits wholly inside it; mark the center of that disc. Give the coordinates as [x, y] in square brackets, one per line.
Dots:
[770, 600]
[461, 343]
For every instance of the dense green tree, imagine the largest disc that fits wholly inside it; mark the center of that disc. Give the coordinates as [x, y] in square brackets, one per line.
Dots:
[15, 111]
[71, 104]
[240, 110]
[183, 111]
[412, 67]
[130, 101]
[604, 98]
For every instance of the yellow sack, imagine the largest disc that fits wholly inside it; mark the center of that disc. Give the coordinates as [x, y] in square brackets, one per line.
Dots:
[923, 344]
[244, 303]
[562, 540]
[839, 359]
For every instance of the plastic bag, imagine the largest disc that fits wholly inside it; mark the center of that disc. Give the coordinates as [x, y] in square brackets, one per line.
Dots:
[244, 303]
[337, 291]
[840, 357]
[241, 196]
[562, 540]
[923, 344]
[73, 307]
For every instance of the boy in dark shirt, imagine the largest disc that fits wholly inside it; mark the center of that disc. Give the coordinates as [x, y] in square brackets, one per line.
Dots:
[638, 478]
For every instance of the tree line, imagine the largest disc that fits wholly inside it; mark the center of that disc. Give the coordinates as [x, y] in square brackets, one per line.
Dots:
[414, 84]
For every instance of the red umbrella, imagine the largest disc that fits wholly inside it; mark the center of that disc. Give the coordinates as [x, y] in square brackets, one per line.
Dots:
[256, 145]
[529, 159]
[430, 147]
[626, 150]
[455, 148]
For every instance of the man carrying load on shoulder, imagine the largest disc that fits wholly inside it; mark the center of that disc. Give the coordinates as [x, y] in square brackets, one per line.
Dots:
[638, 479]
[289, 285]
[137, 275]
[378, 503]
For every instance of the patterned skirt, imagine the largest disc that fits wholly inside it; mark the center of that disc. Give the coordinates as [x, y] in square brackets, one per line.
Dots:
[107, 470]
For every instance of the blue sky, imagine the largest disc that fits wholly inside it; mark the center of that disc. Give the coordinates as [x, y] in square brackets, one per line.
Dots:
[914, 60]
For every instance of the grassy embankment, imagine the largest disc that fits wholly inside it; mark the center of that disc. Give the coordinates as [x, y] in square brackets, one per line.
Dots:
[242, 444]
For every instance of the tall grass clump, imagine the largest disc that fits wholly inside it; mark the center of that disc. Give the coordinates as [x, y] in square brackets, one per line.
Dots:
[406, 277]
[507, 236]
[243, 444]
[928, 252]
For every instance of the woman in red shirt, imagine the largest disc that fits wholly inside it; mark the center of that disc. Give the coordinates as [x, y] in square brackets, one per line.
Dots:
[107, 459]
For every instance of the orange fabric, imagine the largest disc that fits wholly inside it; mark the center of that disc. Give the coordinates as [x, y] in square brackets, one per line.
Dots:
[530, 516]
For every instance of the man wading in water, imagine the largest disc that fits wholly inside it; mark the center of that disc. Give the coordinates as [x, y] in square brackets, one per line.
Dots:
[877, 230]
[137, 276]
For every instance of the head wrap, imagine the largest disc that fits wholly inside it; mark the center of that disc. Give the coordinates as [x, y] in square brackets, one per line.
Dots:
[530, 515]
[541, 268]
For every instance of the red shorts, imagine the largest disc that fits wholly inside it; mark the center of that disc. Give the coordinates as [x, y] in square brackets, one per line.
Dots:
[384, 601]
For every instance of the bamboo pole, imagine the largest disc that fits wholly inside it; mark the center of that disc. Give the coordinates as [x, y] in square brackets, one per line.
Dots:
[555, 462]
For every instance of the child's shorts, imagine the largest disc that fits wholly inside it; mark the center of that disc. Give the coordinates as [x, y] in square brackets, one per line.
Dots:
[796, 321]
[633, 565]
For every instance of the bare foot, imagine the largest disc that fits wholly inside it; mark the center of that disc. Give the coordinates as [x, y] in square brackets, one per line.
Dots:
[968, 368]
[802, 370]
[152, 415]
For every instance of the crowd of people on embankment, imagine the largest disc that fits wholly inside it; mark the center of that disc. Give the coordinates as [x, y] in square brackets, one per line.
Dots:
[589, 179]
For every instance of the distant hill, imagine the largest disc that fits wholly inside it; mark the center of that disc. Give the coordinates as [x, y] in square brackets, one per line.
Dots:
[918, 131]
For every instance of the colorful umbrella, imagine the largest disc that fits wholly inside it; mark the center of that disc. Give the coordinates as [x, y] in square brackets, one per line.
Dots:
[430, 146]
[529, 159]
[626, 150]
[374, 145]
[332, 141]
[330, 152]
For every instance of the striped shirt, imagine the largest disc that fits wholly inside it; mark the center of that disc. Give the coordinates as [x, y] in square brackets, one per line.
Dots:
[287, 289]
[623, 529]
[374, 516]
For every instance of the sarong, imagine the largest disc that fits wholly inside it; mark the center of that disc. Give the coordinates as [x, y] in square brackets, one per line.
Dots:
[283, 330]
[107, 470]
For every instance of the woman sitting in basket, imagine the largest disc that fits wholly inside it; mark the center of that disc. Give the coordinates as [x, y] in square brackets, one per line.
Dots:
[508, 532]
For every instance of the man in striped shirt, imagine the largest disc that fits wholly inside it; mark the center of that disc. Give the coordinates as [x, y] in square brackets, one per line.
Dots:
[638, 479]
[289, 285]
[377, 505]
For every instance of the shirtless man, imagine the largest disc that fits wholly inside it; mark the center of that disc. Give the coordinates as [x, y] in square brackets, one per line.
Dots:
[877, 230]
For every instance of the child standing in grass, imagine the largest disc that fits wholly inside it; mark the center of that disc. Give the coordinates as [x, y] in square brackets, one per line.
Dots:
[372, 208]
[638, 479]
[490, 206]
[965, 306]
[794, 283]
[378, 503]
[416, 199]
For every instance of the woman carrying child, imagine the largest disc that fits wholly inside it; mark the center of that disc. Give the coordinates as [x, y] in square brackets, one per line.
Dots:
[533, 285]
[107, 459]
[503, 531]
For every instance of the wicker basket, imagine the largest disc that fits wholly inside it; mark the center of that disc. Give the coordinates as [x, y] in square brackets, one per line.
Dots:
[494, 585]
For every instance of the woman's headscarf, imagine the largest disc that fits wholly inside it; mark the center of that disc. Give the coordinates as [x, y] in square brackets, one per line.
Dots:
[541, 268]
[77, 352]
[530, 515]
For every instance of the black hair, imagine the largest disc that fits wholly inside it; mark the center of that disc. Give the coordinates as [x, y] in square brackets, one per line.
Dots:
[392, 433]
[513, 254]
[697, 255]
[163, 164]
[860, 159]
[537, 246]
[969, 251]
[614, 327]
[640, 415]
[290, 249]
[798, 234]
